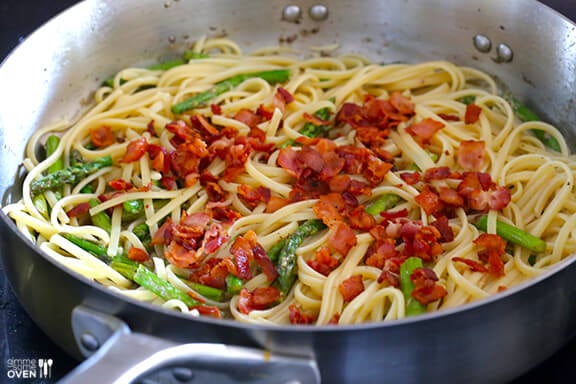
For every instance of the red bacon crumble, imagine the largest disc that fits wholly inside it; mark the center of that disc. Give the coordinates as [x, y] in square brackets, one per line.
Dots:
[138, 254]
[471, 155]
[351, 287]
[102, 136]
[491, 248]
[474, 265]
[423, 131]
[426, 290]
[78, 210]
[258, 299]
[323, 261]
[299, 316]
[135, 150]
[472, 114]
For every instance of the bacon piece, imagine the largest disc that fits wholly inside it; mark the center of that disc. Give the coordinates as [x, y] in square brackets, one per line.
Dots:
[102, 136]
[450, 196]
[472, 114]
[491, 248]
[474, 265]
[471, 155]
[443, 226]
[180, 256]
[135, 150]
[258, 299]
[314, 119]
[159, 158]
[439, 173]
[429, 201]
[424, 130]
[214, 238]
[351, 287]
[164, 234]
[264, 262]
[421, 241]
[497, 198]
[410, 178]
[329, 209]
[323, 261]
[287, 96]
[342, 238]
[253, 196]
[275, 203]
[201, 123]
[248, 117]
[448, 117]
[181, 130]
[78, 210]
[382, 250]
[375, 170]
[208, 310]
[241, 249]
[216, 109]
[360, 219]
[402, 103]
[119, 184]
[426, 290]
[138, 254]
[299, 316]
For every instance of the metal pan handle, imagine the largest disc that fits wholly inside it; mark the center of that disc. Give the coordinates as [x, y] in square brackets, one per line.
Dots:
[128, 357]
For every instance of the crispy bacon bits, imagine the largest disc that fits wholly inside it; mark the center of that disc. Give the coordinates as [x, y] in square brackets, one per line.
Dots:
[102, 136]
[351, 287]
[245, 250]
[258, 299]
[490, 250]
[471, 155]
[423, 131]
[472, 114]
[190, 240]
[299, 316]
[426, 290]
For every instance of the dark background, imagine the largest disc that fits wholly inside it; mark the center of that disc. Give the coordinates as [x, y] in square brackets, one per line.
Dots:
[20, 338]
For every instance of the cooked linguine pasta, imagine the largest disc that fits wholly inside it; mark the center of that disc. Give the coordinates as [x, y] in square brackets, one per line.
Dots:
[298, 190]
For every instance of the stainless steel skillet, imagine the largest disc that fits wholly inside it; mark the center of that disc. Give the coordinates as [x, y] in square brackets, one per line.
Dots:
[524, 43]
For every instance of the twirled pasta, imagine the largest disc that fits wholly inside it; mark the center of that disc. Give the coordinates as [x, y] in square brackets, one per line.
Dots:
[138, 104]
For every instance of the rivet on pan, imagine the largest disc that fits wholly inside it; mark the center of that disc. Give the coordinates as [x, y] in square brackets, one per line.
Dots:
[318, 12]
[183, 374]
[504, 53]
[89, 341]
[482, 43]
[292, 13]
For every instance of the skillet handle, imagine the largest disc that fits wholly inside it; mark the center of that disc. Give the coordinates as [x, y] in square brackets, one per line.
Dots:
[128, 357]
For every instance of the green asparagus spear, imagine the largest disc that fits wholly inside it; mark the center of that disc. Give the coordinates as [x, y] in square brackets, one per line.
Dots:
[132, 209]
[101, 219]
[526, 114]
[286, 265]
[146, 278]
[469, 99]
[166, 65]
[206, 291]
[96, 249]
[233, 285]
[52, 144]
[274, 250]
[311, 130]
[272, 77]
[190, 55]
[161, 288]
[142, 231]
[413, 306]
[68, 175]
[383, 203]
[514, 235]
[41, 205]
